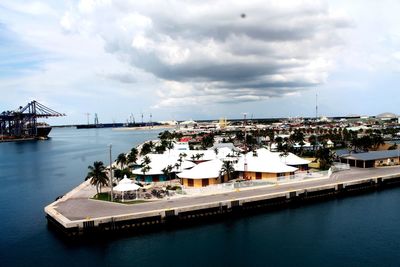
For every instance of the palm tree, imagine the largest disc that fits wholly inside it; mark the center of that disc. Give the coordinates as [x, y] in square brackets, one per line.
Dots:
[325, 157]
[97, 174]
[199, 155]
[313, 141]
[134, 152]
[145, 169]
[271, 135]
[170, 145]
[167, 171]
[227, 168]
[122, 160]
[177, 166]
[146, 160]
[147, 148]
[132, 158]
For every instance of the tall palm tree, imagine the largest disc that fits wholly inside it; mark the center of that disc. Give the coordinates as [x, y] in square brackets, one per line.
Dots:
[228, 169]
[170, 145]
[177, 166]
[134, 152]
[132, 158]
[146, 160]
[167, 171]
[325, 157]
[122, 160]
[97, 174]
[145, 169]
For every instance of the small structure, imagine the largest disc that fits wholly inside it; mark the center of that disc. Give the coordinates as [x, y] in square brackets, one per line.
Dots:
[124, 186]
[371, 159]
[257, 168]
[203, 174]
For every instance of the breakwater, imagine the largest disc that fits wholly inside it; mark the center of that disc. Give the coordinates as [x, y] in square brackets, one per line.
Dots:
[137, 217]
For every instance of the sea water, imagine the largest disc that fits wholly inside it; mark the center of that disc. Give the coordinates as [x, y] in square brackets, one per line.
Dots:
[362, 230]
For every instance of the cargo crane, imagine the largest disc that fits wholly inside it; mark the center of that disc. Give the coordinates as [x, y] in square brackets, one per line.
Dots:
[22, 124]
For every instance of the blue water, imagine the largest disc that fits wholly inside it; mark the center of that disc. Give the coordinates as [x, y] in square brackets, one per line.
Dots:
[354, 231]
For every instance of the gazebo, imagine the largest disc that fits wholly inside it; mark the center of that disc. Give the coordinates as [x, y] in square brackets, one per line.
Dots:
[125, 185]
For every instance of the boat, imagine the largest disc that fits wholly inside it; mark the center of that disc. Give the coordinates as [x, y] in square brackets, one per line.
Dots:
[43, 130]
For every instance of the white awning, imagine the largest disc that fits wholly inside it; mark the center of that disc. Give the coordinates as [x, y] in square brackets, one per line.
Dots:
[126, 187]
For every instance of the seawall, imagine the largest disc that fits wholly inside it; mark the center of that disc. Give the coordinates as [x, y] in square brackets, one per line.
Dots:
[216, 206]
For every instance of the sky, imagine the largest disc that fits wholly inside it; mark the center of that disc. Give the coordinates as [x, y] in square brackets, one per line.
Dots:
[181, 60]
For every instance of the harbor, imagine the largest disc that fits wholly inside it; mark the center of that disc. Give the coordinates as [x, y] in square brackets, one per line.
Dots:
[22, 124]
[52, 168]
[76, 214]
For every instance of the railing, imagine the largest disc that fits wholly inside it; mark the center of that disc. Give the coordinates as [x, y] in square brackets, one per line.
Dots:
[303, 176]
[251, 183]
[216, 188]
[298, 177]
[234, 185]
[337, 166]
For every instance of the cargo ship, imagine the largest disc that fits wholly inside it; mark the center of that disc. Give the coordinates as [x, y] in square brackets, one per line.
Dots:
[21, 124]
[42, 130]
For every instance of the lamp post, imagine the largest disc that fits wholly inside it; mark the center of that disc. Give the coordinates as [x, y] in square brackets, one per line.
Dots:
[111, 176]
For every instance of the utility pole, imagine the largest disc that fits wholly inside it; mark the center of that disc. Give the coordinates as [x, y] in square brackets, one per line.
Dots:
[151, 120]
[245, 148]
[87, 116]
[111, 176]
[316, 106]
[96, 119]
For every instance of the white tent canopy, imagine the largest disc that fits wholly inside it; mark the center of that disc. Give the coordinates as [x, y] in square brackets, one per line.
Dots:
[126, 180]
[126, 185]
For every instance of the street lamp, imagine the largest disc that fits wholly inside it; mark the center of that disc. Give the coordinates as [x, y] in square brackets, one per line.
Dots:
[111, 176]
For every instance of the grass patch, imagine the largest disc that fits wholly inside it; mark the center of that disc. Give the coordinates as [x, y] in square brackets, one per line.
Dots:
[106, 197]
[102, 196]
[134, 201]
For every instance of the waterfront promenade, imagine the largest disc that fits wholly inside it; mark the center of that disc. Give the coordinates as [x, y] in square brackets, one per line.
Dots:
[77, 207]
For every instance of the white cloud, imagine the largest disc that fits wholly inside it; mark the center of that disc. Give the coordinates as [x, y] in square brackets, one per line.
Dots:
[188, 53]
[210, 48]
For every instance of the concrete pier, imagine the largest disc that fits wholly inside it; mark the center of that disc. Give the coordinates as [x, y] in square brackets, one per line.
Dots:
[76, 214]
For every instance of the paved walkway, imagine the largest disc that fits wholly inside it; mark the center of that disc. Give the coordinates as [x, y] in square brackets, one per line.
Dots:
[78, 206]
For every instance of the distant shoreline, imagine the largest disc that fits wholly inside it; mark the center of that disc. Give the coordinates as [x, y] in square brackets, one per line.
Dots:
[157, 127]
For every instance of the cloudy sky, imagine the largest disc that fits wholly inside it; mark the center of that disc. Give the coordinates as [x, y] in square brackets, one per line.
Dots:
[200, 59]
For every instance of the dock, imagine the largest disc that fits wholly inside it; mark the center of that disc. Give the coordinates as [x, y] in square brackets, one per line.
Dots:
[76, 214]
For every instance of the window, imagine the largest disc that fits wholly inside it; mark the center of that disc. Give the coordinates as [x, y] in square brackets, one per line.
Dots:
[204, 182]
[258, 175]
[190, 182]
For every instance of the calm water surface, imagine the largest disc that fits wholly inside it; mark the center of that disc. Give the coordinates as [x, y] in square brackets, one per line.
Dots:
[355, 231]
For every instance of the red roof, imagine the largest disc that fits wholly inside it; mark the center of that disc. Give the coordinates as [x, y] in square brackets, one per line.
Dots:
[185, 139]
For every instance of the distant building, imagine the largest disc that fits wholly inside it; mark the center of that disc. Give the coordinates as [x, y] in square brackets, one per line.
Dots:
[203, 174]
[371, 159]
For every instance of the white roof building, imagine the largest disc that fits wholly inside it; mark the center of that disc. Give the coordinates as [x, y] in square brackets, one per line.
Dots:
[161, 161]
[260, 164]
[208, 169]
[189, 122]
[290, 159]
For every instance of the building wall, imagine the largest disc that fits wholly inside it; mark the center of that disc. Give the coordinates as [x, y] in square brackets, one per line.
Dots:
[199, 182]
[152, 178]
[375, 163]
[387, 162]
[264, 176]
